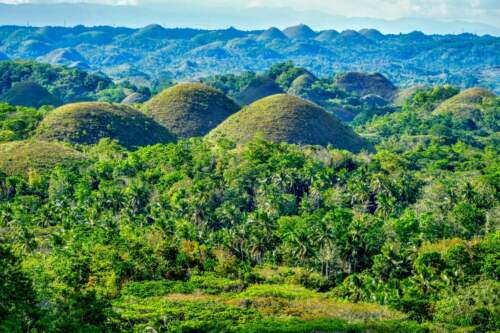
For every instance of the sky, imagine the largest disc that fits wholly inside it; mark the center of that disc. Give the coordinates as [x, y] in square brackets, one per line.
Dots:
[483, 11]
[425, 15]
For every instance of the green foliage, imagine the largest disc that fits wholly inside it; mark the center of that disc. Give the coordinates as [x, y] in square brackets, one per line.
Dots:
[213, 236]
[472, 306]
[29, 94]
[440, 113]
[17, 298]
[17, 122]
[34, 84]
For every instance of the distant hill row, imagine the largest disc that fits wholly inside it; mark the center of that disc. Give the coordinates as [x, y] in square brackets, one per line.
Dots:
[29, 83]
[351, 95]
[155, 54]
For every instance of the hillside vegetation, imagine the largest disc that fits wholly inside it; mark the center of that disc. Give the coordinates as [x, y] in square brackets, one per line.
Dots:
[89, 122]
[35, 84]
[281, 219]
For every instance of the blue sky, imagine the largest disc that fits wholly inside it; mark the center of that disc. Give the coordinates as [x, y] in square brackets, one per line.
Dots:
[390, 16]
[480, 11]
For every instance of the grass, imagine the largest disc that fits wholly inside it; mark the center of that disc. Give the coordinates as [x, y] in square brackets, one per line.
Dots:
[190, 109]
[87, 123]
[22, 157]
[466, 104]
[206, 284]
[286, 118]
[29, 94]
[259, 308]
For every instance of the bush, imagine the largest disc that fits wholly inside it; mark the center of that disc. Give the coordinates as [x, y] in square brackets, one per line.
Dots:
[476, 305]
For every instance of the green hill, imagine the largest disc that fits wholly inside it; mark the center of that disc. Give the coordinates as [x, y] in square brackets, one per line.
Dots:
[302, 84]
[327, 35]
[88, 122]
[365, 83]
[68, 85]
[467, 104]
[20, 157]
[286, 118]
[260, 87]
[29, 94]
[405, 94]
[190, 109]
[300, 31]
[372, 34]
[271, 33]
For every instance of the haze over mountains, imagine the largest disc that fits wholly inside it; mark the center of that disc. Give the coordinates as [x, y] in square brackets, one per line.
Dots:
[209, 17]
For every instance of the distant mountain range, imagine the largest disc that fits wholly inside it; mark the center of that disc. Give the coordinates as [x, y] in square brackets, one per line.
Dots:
[153, 54]
[201, 16]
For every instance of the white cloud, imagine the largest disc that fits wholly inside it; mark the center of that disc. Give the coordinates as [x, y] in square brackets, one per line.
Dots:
[474, 10]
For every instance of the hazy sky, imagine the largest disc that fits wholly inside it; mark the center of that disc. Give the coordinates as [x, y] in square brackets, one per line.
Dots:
[484, 11]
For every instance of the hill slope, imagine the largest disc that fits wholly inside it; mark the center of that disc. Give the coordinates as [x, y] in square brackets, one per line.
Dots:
[260, 87]
[286, 118]
[466, 104]
[68, 85]
[87, 123]
[190, 109]
[29, 94]
[364, 84]
[20, 157]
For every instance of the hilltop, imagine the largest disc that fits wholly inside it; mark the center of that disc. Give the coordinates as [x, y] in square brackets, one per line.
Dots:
[286, 118]
[190, 109]
[87, 123]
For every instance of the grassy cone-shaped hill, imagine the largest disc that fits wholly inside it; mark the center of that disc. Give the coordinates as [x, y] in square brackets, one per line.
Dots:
[88, 122]
[29, 94]
[190, 109]
[21, 157]
[467, 104]
[286, 118]
[365, 84]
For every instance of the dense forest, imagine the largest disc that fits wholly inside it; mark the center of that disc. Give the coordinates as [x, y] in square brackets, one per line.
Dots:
[154, 54]
[266, 201]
